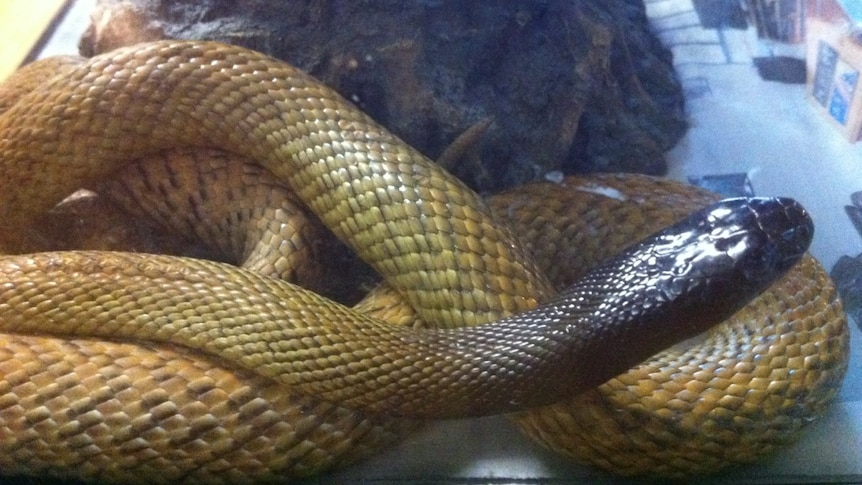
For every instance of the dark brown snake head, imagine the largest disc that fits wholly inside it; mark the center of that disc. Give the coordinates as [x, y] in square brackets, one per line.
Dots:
[727, 252]
[760, 237]
[669, 287]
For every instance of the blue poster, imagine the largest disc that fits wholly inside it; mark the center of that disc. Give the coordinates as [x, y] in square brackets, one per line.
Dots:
[843, 89]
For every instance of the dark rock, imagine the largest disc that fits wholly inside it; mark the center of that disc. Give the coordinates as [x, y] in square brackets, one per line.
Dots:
[847, 274]
[569, 86]
[854, 212]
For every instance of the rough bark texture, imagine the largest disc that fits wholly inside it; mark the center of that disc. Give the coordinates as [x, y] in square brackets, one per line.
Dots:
[560, 85]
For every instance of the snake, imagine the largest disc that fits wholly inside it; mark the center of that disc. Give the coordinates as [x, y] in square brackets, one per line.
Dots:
[133, 367]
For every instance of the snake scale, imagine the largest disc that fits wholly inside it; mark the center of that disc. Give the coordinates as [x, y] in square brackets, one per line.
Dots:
[112, 368]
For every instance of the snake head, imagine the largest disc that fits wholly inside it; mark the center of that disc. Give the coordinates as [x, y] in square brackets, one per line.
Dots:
[716, 260]
[675, 284]
[752, 240]
[711, 264]
[784, 230]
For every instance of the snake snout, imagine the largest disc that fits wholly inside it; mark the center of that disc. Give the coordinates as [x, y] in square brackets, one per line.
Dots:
[788, 224]
[779, 231]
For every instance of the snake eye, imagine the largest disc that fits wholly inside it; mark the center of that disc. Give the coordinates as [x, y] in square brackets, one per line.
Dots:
[734, 243]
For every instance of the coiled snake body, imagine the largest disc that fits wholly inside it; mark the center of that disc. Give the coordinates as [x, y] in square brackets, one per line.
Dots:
[157, 368]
